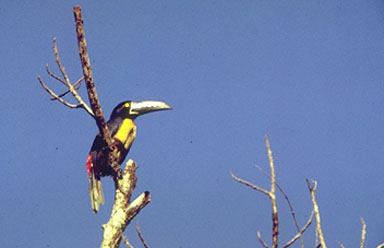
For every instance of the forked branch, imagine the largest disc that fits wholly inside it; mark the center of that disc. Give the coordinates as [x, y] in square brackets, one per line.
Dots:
[72, 88]
[123, 210]
[299, 232]
[272, 195]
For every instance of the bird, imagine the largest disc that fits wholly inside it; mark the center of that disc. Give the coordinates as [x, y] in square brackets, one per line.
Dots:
[123, 132]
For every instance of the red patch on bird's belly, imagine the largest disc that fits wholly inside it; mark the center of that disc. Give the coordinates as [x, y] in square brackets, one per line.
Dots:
[89, 165]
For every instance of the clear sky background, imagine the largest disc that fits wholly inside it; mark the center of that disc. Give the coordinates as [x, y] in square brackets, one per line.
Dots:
[309, 74]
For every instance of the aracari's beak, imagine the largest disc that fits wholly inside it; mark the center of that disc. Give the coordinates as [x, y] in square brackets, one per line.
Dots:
[144, 107]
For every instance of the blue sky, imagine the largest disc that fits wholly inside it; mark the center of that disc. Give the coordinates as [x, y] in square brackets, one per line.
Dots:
[308, 74]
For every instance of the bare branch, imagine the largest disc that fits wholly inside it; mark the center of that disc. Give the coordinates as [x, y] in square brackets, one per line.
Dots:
[76, 86]
[65, 81]
[380, 245]
[272, 196]
[249, 184]
[92, 94]
[289, 204]
[54, 75]
[261, 240]
[68, 82]
[363, 232]
[300, 233]
[319, 231]
[141, 236]
[53, 94]
[126, 242]
[123, 211]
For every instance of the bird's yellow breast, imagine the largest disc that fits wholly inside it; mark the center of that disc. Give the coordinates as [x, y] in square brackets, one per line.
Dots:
[126, 133]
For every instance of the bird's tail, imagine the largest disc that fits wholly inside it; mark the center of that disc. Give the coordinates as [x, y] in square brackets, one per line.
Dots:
[96, 193]
[95, 189]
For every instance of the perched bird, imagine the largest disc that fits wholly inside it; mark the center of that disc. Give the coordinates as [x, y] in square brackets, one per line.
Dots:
[123, 132]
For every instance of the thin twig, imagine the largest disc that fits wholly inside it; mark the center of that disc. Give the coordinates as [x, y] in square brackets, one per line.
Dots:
[319, 231]
[380, 245]
[363, 232]
[126, 241]
[54, 75]
[68, 82]
[141, 236]
[65, 81]
[261, 240]
[300, 233]
[249, 184]
[92, 94]
[53, 94]
[341, 245]
[76, 86]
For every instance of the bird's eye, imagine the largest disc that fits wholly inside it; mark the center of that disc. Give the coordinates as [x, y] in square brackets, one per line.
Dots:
[127, 105]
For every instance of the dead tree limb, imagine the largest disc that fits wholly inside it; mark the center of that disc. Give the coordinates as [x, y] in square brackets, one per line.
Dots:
[363, 232]
[270, 193]
[92, 94]
[262, 242]
[126, 242]
[275, 218]
[299, 232]
[65, 80]
[319, 231]
[123, 210]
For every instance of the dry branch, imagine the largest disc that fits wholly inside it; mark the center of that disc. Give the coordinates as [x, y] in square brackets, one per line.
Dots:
[55, 96]
[299, 232]
[261, 240]
[270, 193]
[76, 86]
[67, 82]
[126, 242]
[363, 232]
[71, 88]
[123, 211]
[92, 94]
[275, 219]
[319, 231]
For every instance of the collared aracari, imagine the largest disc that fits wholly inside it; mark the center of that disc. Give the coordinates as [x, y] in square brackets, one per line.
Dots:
[123, 132]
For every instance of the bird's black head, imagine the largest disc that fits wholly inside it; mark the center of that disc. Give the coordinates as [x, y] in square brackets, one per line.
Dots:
[131, 109]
